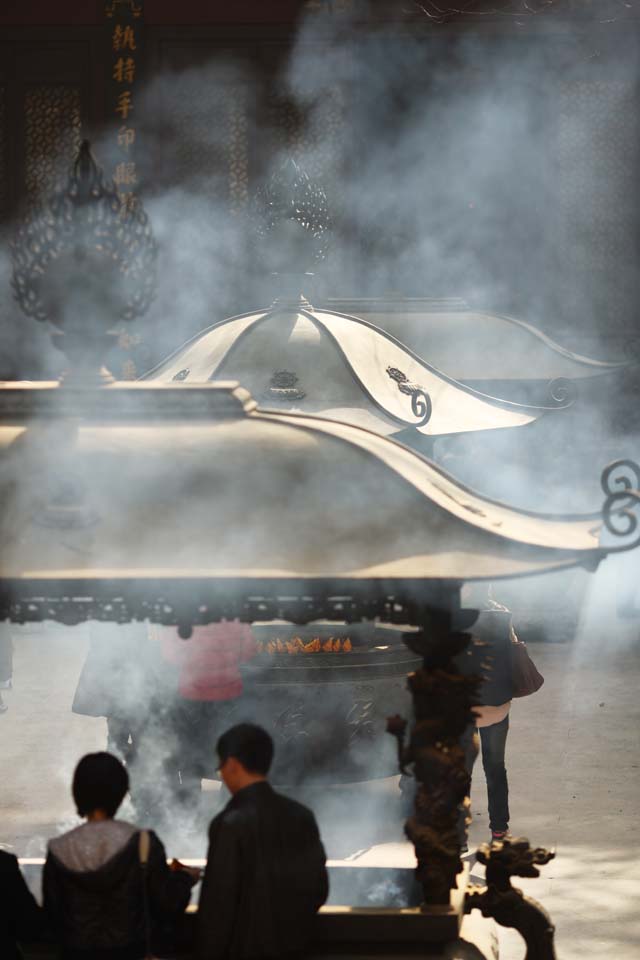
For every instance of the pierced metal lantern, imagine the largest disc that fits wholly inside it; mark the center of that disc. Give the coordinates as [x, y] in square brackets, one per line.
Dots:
[291, 221]
[84, 259]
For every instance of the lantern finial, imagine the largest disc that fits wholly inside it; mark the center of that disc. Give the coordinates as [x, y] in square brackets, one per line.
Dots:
[84, 259]
[292, 222]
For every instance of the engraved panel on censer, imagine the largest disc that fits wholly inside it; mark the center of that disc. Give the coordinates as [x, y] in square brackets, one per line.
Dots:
[326, 700]
[52, 135]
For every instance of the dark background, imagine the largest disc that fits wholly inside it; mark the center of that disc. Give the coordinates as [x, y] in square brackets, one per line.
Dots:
[516, 209]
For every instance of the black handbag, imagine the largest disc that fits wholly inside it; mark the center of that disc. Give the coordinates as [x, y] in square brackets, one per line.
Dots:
[525, 676]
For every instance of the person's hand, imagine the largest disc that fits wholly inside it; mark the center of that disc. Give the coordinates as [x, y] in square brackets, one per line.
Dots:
[194, 872]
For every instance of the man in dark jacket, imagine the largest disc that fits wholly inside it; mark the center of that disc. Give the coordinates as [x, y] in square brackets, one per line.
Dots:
[265, 877]
[20, 915]
[101, 902]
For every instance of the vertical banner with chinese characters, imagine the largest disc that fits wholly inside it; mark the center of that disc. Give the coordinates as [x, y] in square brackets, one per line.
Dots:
[124, 37]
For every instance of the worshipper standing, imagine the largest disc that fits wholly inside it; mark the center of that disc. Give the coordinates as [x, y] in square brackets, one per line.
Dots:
[107, 887]
[126, 680]
[208, 682]
[163, 698]
[21, 919]
[265, 877]
[490, 658]
[121, 679]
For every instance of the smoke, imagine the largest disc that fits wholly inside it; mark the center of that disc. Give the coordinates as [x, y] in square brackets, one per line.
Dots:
[454, 166]
[471, 166]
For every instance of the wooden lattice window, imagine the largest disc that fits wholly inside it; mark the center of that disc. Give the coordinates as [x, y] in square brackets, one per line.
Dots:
[597, 163]
[3, 153]
[209, 140]
[52, 135]
[312, 138]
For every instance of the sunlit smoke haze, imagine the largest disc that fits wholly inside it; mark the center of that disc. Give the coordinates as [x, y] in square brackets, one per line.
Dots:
[443, 162]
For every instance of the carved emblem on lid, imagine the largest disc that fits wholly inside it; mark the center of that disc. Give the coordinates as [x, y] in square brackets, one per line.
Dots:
[282, 387]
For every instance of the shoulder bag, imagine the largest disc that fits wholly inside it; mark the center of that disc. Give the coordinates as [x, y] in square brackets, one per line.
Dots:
[525, 677]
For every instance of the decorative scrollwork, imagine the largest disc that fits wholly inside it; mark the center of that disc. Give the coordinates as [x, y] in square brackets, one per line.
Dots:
[421, 405]
[616, 475]
[563, 391]
[618, 515]
[619, 509]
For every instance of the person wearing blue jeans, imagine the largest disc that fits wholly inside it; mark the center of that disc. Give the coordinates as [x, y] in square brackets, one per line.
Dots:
[493, 740]
[489, 656]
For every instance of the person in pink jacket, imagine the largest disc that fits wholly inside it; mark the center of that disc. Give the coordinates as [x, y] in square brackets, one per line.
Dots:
[209, 661]
[209, 684]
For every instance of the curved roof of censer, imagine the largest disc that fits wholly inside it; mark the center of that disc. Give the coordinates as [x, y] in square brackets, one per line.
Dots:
[299, 359]
[473, 344]
[184, 482]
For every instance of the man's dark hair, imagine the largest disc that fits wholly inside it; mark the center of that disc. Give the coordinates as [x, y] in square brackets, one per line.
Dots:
[100, 782]
[249, 744]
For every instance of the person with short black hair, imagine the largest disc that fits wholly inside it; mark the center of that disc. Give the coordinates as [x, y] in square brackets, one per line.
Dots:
[106, 883]
[250, 745]
[99, 782]
[266, 874]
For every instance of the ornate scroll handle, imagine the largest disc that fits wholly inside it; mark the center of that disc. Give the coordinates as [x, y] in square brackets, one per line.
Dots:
[421, 405]
[608, 482]
[562, 391]
[508, 905]
[621, 521]
[618, 514]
